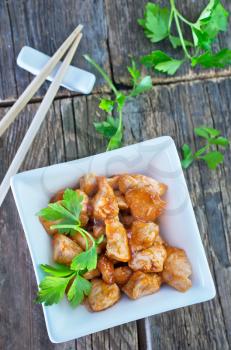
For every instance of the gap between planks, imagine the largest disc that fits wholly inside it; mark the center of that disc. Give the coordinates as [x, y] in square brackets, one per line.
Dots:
[157, 82]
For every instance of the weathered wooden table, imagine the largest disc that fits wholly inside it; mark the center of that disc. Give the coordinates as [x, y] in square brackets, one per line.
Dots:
[174, 107]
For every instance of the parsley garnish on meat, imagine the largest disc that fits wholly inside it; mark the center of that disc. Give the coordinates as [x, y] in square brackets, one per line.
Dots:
[53, 286]
[66, 212]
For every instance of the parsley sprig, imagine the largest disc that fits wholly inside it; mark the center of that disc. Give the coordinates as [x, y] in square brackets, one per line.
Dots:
[158, 23]
[207, 153]
[65, 212]
[52, 288]
[112, 127]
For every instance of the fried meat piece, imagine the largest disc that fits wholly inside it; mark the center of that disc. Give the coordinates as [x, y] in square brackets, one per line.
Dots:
[105, 205]
[145, 205]
[177, 269]
[141, 284]
[103, 295]
[117, 241]
[88, 184]
[143, 235]
[150, 259]
[64, 249]
[129, 181]
[106, 267]
[122, 275]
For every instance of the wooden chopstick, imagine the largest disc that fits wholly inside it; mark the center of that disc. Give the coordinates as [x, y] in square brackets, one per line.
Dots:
[37, 121]
[37, 82]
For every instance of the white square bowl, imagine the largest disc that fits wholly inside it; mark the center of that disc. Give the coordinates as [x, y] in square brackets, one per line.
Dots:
[157, 158]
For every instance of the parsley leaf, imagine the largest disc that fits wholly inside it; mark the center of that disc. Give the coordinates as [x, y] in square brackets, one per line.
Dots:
[187, 156]
[61, 213]
[112, 127]
[134, 72]
[143, 86]
[120, 99]
[106, 105]
[57, 271]
[213, 19]
[212, 157]
[52, 289]
[201, 132]
[211, 131]
[116, 139]
[85, 260]
[155, 22]
[206, 132]
[161, 62]
[217, 60]
[221, 141]
[49, 214]
[72, 201]
[140, 85]
[79, 288]
[158, 23]
[207, 11]
[66, 212]
[169, 67]
[202, 38]
[155, 57]
[176, 42]
[108, 127]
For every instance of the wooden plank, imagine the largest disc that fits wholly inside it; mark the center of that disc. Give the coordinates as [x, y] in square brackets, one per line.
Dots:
[111, 35]
[44, 25]
[118, 338]
[126, 39]
[174, 110]
[68, 134]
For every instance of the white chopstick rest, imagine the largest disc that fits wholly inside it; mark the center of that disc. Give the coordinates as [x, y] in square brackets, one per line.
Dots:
[75, 79]
[35, 84]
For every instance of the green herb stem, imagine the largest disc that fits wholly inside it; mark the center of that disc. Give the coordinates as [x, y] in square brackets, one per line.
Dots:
[183, 18]
[87, 233]
[170, 20]
[118, 132]
[199, 154]
[103, 73]
[175, 12]
[79, 229]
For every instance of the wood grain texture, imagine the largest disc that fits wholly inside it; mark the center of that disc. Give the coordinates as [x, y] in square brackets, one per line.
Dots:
[44, 25]
[68, 134]
[111, 36]
[126, 39]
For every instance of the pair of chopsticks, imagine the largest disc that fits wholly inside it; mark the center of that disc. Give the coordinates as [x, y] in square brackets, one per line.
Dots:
[70, 43]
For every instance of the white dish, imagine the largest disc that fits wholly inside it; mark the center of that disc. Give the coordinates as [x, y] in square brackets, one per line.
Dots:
[157, 158]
